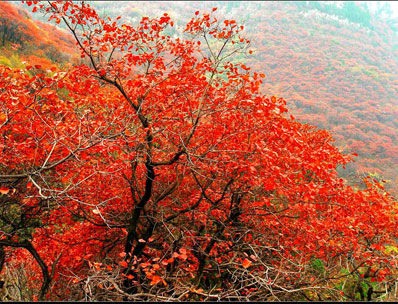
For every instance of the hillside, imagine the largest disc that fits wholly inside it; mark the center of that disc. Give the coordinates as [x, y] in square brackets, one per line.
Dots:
[23, 39]
[337, 75]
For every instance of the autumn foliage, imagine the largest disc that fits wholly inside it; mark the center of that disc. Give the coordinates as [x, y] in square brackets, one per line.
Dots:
[23, 39]
[157, 170]
[335, 63]
[337, 75]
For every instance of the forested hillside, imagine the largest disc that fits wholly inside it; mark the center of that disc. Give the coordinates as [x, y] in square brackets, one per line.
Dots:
[32, 41]
[198, 151]
[338, 75]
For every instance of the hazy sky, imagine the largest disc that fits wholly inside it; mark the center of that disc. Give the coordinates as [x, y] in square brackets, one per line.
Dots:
[393, 4]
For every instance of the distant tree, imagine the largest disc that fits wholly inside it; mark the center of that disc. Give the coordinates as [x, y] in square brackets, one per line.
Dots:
[10, 32]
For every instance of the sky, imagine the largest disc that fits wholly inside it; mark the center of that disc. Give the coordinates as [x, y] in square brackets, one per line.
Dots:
[393, 4]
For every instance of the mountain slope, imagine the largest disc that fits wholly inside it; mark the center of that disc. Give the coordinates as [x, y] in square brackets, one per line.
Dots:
[34, 41]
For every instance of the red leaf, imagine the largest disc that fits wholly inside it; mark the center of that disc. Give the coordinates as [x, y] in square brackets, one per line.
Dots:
[246, 263]
[4, 190]
[123, 264]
